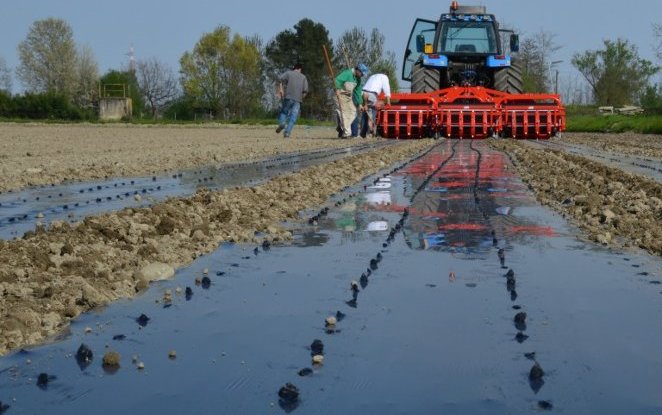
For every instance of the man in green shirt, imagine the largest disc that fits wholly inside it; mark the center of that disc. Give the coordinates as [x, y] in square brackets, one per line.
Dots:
[349, 97]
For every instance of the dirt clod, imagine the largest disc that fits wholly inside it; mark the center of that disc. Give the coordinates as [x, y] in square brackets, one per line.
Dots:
[536, 372]
[289, 393]
[111, 359]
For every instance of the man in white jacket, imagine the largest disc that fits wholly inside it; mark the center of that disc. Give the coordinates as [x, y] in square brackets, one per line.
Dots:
[376, 84]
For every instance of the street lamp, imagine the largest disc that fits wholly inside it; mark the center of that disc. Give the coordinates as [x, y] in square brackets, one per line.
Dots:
[556, 80]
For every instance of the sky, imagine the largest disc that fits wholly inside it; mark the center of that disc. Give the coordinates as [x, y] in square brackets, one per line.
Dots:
[165, 29]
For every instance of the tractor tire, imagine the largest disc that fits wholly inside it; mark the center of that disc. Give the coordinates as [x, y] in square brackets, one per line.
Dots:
[510, 79]
[425, 79]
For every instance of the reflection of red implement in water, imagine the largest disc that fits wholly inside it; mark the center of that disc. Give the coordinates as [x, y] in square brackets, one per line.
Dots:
[534, 230]
[412, 210]
[462, 227]
[471, 112]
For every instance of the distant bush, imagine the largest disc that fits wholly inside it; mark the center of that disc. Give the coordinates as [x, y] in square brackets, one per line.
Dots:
[576, 110]
[651, 100]
[47, 106]
[645, 124]
[6, 104]
[181, 109]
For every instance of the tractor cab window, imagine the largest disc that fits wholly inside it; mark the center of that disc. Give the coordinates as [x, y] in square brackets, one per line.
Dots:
[467, 37]
[421, 34]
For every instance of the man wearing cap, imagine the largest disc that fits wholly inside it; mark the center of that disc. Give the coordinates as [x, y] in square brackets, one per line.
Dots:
[296, 88]
[377, 83]
[349, 97]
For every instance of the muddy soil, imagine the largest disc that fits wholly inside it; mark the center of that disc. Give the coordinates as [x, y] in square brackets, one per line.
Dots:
[627, 143]
[36, 154]
[611, 206]
[53, 274]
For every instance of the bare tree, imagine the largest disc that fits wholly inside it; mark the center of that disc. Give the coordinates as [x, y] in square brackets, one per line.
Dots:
[572, 88]
[48, 58]
[5, 76]
[87, 77]
[158, 84]
[355, 46]
[536, 56]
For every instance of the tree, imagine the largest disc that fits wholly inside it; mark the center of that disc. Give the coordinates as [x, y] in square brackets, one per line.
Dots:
[5, 77]
[657, 31]
[86, 93]
[223, 74]
[536, 57]
[616, 73]
[244, 78]
[158, 84]
[355, 47]
[651, 99]
[48, 58]
[304, 45]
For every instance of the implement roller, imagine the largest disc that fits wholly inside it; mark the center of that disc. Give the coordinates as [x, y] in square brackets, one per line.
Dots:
[471, 112]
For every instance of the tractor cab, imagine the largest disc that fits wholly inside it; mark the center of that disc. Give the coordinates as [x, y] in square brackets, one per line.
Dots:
[467, 36]
[464, 43]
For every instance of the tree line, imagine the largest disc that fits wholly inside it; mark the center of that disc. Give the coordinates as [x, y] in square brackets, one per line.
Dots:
[229, 76]
[224, 76]
[616, 75]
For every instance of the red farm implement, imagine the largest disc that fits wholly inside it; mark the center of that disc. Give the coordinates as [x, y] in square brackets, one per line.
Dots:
[471, 112]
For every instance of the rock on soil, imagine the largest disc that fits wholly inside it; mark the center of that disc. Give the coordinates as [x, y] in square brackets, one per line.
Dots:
[155, 271]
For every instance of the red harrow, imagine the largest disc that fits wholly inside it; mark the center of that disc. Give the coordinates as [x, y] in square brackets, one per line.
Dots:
[471, 112]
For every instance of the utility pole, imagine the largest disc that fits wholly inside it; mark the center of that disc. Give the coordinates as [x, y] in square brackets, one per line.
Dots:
[556, 80]
[132, 59]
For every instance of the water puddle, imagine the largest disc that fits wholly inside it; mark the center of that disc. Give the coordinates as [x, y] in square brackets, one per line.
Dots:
[442, 301]
[21, 211]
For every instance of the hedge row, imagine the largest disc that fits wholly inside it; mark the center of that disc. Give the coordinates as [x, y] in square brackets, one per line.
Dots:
[40, 107]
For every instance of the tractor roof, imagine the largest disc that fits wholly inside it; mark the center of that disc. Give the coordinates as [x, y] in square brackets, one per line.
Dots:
[469, 10]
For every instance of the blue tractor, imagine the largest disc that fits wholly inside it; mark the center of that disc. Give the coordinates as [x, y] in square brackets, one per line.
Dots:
[463, 48]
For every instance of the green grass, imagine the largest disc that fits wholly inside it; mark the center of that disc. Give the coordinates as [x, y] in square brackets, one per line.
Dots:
[645, 124]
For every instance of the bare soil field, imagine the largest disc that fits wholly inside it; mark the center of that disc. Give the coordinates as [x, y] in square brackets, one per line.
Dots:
[632, 144]
[611, 206]
[52, 275]
[36, 154]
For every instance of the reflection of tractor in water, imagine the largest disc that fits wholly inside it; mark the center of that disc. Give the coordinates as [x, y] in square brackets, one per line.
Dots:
[463, 48]
[457, 203]
[465, 84]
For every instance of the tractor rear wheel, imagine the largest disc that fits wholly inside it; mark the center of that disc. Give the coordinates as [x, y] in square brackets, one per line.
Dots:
[510, 79]
[425, 79]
